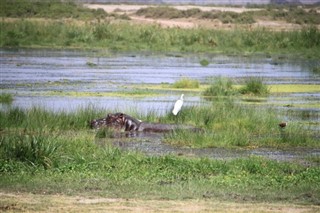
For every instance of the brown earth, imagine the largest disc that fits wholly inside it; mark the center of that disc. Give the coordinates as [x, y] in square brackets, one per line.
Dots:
[24, 202]
[193, 22]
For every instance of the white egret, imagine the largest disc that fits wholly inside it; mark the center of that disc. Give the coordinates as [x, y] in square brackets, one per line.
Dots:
[178, 105]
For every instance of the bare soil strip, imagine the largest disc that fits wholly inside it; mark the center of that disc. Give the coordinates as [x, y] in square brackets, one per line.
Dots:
[24, 202]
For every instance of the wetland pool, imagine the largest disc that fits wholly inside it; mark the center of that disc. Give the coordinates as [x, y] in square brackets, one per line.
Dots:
[66, 80]
[45, 77]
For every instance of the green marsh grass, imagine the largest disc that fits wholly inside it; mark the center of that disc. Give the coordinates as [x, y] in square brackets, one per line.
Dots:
[124, 37]
[220, 86]
[46, 152]
[185, 83]
[34, 148]
[204, 62]
[91, 170]
[39, 118]
[6, 98]
[254, 86]
[227, 124]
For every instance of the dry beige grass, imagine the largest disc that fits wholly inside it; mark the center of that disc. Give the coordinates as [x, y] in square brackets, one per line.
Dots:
[192, 22]
[22, 202]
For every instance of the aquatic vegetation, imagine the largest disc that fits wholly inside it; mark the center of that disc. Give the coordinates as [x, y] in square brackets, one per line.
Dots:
[6, 98]
[91, 64]
[226, 124]
[186, 83]
[204, 62]
[254, 86]
[220, 87]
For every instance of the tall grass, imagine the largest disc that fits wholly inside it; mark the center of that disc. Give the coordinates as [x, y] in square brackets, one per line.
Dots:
[186, 83]
[38, 118]
[254, 86]
[220, 86]
[87, 169]
[227, 124]
[36, 149]
[6, 98]
[56, 156]
[123, 36]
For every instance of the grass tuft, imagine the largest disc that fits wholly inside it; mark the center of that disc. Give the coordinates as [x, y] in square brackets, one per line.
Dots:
[36, 149]
[220, 87]
[255, 86]
[186, 83]
[6, 98]
[204, 62]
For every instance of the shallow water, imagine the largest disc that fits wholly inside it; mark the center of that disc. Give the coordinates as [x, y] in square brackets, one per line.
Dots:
[31, 74]
[151, 144]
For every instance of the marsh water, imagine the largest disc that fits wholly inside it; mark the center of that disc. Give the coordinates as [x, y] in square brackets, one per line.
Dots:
[46, 78]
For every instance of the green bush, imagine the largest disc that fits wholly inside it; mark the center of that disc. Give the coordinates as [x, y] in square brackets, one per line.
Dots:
[48, 9]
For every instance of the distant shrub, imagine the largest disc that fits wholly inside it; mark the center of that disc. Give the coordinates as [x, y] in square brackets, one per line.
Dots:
[254, 86]
[186, 83]
[48, 9]
[160, 12]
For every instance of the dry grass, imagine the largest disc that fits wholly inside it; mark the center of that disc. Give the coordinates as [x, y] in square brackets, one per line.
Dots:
[25, 202]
